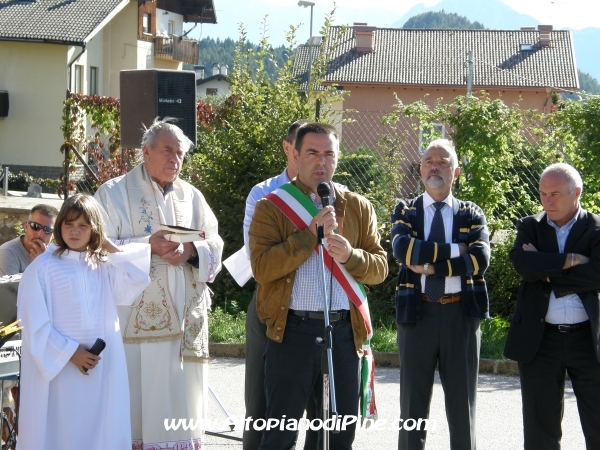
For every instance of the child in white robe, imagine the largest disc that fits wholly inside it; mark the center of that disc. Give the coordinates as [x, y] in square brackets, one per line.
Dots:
[66, 300]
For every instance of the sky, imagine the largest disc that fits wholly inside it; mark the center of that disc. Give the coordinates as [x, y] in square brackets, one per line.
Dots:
[574, 14]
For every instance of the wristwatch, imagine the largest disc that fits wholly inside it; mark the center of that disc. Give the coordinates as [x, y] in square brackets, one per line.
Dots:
[194, 258]
[425, 268]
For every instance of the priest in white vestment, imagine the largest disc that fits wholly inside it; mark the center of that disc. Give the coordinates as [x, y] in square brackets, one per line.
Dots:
[63, 302]
[166, 330]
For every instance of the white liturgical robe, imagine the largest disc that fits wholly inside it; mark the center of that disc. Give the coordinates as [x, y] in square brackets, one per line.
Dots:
[65, 301]
[163, 384]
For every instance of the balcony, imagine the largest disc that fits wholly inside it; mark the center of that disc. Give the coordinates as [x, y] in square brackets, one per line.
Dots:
[174, 48]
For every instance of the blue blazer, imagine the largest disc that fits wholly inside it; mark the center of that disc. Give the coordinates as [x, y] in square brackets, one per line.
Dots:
[410, 248]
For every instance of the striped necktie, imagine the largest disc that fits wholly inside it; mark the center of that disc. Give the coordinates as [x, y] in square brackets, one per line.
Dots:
[435, 286]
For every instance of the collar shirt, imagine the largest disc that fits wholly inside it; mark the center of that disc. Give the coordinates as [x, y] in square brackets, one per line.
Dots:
[307, 290]
[452, 283]
[258, 192]
[166, 211]
[567, 309]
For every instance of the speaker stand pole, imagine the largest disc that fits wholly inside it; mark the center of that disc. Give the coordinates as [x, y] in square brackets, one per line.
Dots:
[327, 355]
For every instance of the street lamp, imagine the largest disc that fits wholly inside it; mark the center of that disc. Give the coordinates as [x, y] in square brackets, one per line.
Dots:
[306, 4]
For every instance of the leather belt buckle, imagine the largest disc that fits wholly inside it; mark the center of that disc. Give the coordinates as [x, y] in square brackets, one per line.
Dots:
[567, 327]
[334, 316]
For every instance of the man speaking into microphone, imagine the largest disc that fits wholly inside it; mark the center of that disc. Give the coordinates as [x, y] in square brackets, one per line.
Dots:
[286, 265]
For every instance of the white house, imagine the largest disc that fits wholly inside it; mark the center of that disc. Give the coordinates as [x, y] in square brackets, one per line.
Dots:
[51, 47]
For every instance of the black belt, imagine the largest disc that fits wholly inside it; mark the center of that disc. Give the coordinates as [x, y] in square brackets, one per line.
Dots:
[334, 316]
[568, 328]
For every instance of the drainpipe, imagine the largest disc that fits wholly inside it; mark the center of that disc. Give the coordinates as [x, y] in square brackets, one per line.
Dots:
[71, 67]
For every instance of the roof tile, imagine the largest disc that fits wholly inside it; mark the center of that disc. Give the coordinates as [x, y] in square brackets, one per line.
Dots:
[53, 20]
[438, 57]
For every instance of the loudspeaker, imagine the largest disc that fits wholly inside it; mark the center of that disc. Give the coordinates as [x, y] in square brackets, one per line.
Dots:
[3, 103]
[146, 94]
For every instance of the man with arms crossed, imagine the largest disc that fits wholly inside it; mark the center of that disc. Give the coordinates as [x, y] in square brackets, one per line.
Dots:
[554, 329]
[286, 266]
[442, 245]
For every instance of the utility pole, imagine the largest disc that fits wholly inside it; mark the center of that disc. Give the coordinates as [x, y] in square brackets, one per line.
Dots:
[306, 4]
[469, 74]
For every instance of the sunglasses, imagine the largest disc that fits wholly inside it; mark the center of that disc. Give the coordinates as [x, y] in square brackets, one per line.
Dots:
[37, 227]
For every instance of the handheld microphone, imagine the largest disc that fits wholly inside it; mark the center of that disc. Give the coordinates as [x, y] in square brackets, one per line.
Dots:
[96, 349]
[324, 191]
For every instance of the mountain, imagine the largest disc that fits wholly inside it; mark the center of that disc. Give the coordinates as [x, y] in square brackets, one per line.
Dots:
[492, 13]
[281, 15]
[586, 50]
[434, 19]
[496, 15]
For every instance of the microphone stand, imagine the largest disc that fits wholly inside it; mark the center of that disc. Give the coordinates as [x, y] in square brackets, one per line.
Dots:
[327, 355]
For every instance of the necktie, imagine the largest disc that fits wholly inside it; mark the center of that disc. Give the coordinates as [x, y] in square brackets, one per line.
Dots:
[435, 286]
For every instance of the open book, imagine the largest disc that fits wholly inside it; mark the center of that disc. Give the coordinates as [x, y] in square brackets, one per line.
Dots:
[182, 234]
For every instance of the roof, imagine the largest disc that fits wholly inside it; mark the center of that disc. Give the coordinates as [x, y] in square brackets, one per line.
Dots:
[199, 11]
[424, 57]
[56, 21]
[217, 77]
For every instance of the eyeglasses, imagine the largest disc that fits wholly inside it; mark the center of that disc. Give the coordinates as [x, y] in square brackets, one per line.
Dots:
[38, 226]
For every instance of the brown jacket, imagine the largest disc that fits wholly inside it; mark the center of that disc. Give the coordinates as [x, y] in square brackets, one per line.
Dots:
[278, 248]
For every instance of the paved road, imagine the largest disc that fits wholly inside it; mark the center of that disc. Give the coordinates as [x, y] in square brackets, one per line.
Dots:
[499, 419]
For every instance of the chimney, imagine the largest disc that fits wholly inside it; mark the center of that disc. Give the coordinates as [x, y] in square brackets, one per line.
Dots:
[364, 36]
[199, 72]
[545, 33]
[215, 69]
[224, 69]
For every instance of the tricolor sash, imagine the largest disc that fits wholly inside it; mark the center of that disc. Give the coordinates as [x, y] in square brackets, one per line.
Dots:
[298, 208]
[292, 202]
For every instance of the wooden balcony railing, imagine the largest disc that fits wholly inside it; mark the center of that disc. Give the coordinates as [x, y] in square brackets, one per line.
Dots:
[175, 48]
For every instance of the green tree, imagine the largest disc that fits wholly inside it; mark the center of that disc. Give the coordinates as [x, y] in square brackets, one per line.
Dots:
[441, 19]
[497, 159]
[587, 84]
[221, 52]
[240, 144]
[576, 140]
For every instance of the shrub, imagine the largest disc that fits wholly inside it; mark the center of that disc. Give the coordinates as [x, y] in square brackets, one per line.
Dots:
[22, 180]
[502, 279]
[493, 337]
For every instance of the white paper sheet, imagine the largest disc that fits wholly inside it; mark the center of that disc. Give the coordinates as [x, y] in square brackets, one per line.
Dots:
[238, 266]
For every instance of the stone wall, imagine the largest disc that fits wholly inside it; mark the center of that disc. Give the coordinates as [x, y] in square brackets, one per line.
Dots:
[15, 208]
[38, 171]
[7, 224]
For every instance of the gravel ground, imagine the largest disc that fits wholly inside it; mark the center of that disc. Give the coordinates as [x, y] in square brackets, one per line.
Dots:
[499, 418]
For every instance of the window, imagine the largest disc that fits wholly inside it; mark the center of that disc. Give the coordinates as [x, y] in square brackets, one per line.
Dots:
[526, 48]
[171, 27]
[78, 79]
[211, 91]
[146, 23]
[430, 132]
[93, 81]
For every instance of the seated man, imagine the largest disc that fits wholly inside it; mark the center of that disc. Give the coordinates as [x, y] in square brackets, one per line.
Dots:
[17, 254]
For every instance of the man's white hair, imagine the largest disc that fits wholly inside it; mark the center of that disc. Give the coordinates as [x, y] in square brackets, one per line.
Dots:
[152, 132]
[573, 178]
[447, 145]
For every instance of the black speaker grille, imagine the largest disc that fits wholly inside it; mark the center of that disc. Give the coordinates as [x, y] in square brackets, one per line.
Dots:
[176, 96]
[3, 103]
